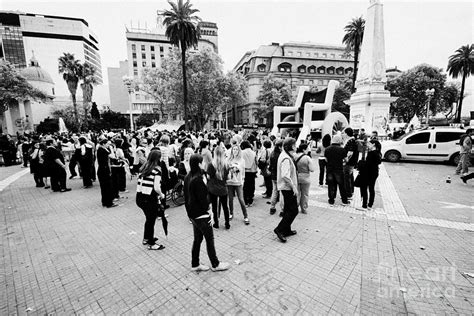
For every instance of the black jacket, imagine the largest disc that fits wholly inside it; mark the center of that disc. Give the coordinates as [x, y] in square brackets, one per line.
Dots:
[195, 196]
[335, 154]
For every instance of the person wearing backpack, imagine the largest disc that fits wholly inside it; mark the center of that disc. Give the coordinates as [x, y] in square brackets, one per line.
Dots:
[304, 167]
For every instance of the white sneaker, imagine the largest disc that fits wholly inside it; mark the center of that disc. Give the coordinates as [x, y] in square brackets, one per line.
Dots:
[221, 267]
[200, 267]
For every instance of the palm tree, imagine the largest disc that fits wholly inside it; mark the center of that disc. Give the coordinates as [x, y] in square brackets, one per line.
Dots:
[71, 69]
[353, 40]
[87, 75]
[182, 30]
[461, 63]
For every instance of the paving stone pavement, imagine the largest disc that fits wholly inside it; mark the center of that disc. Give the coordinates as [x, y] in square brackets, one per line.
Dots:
[62, 253]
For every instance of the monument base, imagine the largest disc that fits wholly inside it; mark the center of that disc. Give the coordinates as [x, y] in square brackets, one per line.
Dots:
[370, 110]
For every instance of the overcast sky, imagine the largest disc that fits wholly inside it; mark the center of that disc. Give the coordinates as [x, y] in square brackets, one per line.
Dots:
[415, 31]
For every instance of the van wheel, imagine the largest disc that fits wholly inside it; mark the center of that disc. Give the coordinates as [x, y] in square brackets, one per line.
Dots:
[455, 159]
[392, 156]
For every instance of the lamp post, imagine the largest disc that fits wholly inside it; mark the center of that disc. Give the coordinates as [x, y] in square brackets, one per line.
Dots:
[429, 93]
[128, 82]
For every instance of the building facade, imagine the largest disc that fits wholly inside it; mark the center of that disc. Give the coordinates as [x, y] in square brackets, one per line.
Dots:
[118, 92]
[146, 49]
[297, 64]
[47, 37]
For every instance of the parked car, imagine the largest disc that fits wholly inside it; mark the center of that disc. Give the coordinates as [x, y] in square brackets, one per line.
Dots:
[428, 144]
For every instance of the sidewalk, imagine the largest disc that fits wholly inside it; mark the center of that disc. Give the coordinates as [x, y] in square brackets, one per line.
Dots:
[62, 253]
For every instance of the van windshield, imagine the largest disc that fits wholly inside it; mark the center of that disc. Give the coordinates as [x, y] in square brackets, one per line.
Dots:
[403, 136]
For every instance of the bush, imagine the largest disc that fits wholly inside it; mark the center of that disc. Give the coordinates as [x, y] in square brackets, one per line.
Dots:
[48, 126]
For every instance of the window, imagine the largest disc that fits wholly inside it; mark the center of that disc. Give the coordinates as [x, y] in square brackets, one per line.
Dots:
[261, 68]
[348, 70]
[162, 56]
[143, 47]
[143, 63]
[330, 70]
[135, 64]
[284, 67]
[333, 55]
[321, 70]
[134, 55]
[152, 56]
[290, 53]
[325, 55]
[153, 65]
[143, 56]
[302, 69]
[420, 138]
[301, 82]
[312, 69]
[52, 90]
[299, 54]
[135, 72]
[340, 71]
[161, 49]
[134, 47]
[320, 82]
[316, 55]
[137, 96]
[152, 48]
[311, 82]
[446, 137]
[308, 54]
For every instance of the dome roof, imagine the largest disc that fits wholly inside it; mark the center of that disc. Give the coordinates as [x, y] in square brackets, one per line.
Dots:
[35, 73]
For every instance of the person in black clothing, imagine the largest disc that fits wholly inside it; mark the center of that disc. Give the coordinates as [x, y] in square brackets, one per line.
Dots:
[54, 162]
[263, 163]
[76, 155]
[86, 162]
[272, 168]
[350, 161]
[369, 172]
[335, 154]
[197, 208]
[25, 149]
[104, 173]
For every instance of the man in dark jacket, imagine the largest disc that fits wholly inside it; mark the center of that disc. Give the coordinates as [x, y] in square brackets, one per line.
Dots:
[350, 160]
[335, 155]
[54, 161]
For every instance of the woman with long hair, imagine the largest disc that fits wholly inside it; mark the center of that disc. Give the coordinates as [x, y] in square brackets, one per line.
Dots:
[217, 171]
[197, 206]
[369, 172]
[184, 168]
[325, 142]
[148, 194]
[235, 181]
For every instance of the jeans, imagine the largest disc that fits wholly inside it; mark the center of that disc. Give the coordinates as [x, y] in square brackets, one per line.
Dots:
[275, 194]
[371, 186]
[149, 206]
[349, 179]
[322, 167]
[249, 187]
[236, 190]
[290, 210]
[223, 201]
[304, 195]
[463, 163]
[335, 179]
[202, 229]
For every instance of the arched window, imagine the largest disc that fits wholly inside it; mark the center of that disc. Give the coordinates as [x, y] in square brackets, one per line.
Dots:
[349, 70]
[312, 69]
[261, 68]
[330, 70]
[302, 69]
[321, 70]
[340, 70]
[284, 67]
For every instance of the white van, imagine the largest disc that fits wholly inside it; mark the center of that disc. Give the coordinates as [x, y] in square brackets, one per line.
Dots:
[428, 144]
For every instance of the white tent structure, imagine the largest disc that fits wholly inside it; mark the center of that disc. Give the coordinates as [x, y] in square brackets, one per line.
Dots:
[169, 126]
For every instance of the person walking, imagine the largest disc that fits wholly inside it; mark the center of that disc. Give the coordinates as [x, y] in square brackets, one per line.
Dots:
[273, 174]
[325, 143]
[287, 183]
[304, 165]
[197, 208]
[104, 173]
[335, 155]
[465, 147]
[250, 159]
[263, 164]
[217, 172]
[369, 172]
[148, 194]
[235, 181]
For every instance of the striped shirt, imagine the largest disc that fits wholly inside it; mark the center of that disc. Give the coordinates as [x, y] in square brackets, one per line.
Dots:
[145, 185]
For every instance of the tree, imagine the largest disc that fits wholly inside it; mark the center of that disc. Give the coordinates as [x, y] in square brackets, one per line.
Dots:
[342, 93]
[448, 96]
[146, 119]
[461, 64]
[95, 112]
[182, 30]
[410, 88]
[70, 68]
[274, 92]
[88, 77]
[14, 87]
[353, 40]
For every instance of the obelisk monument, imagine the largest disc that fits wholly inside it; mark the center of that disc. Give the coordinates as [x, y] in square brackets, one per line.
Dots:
[370, 104]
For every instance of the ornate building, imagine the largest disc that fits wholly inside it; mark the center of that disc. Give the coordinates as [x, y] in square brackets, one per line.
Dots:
[298, 64]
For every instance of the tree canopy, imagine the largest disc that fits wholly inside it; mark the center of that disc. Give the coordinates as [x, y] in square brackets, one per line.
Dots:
[275, 92]
[14, 87]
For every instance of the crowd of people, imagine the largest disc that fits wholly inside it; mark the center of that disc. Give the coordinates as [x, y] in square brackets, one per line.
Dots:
[214, 168]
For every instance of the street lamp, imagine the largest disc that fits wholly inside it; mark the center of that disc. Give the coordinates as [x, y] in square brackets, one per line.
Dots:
[128, 82]
[429, 93]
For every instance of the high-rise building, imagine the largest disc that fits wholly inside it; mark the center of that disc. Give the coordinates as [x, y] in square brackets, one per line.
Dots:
[46, 37]
[297, 64]
[146, 49]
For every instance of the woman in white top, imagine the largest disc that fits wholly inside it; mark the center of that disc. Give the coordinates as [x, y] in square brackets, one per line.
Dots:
[235, 181]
